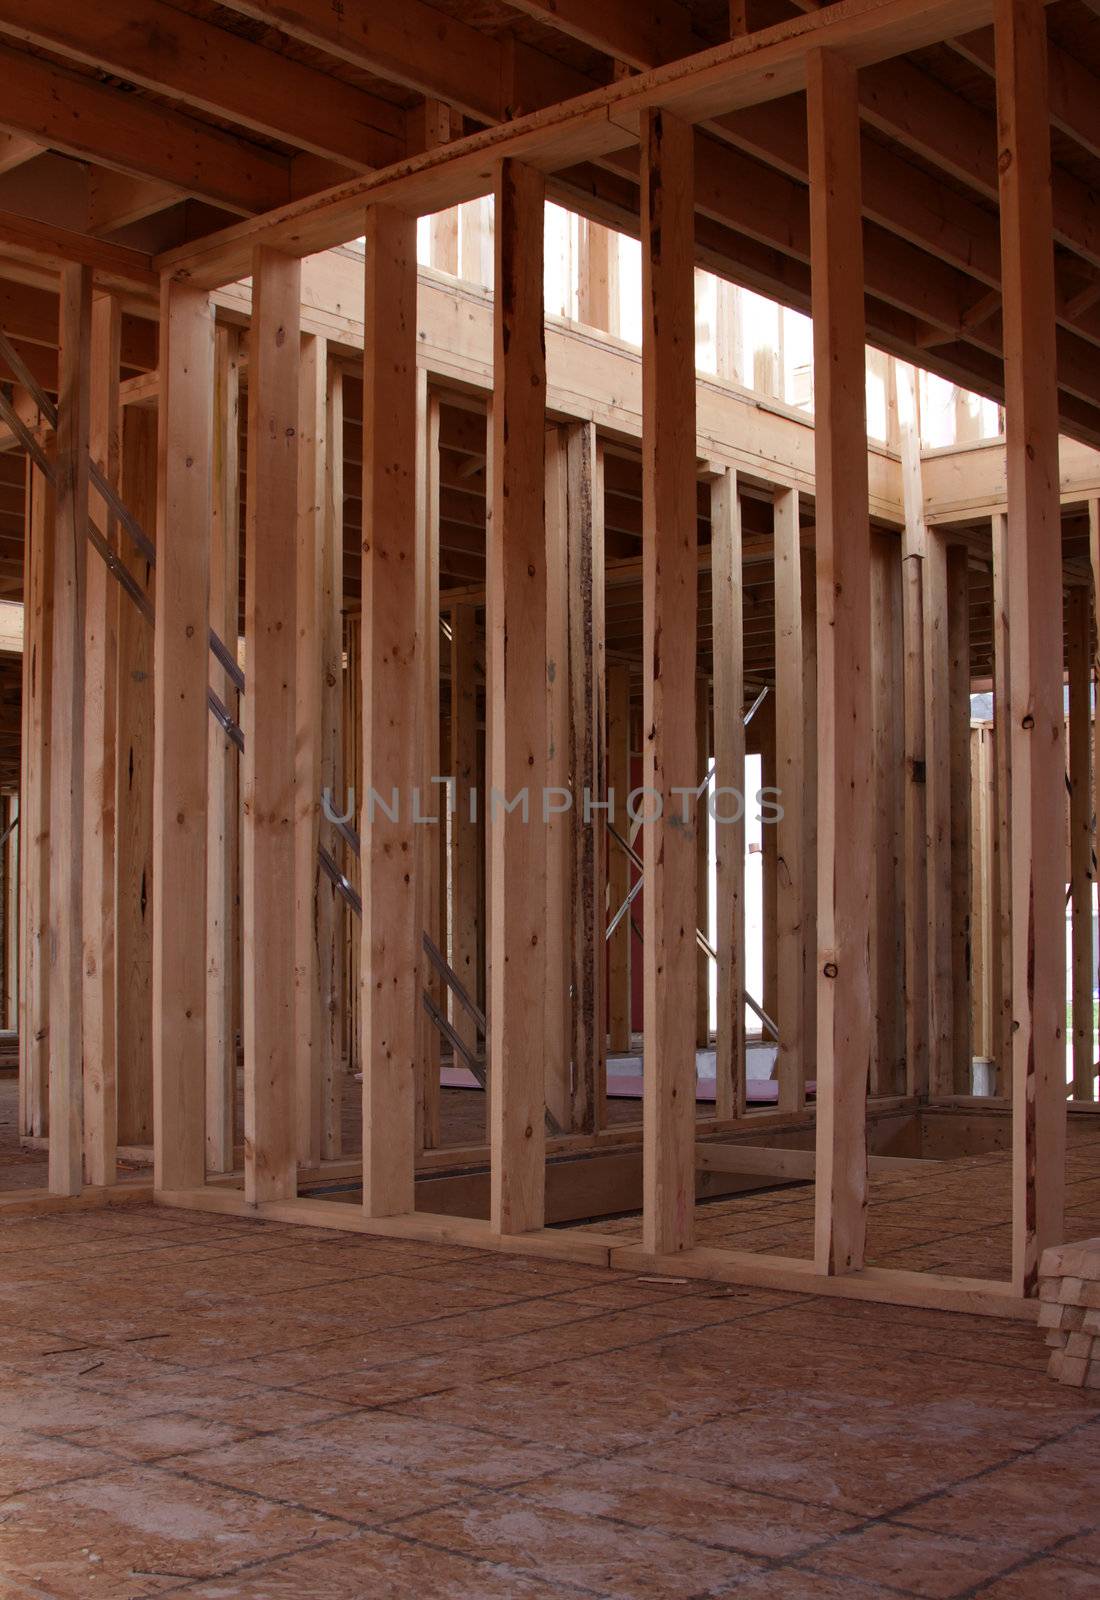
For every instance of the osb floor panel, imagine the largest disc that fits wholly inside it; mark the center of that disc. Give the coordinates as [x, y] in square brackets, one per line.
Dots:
[236, 1410]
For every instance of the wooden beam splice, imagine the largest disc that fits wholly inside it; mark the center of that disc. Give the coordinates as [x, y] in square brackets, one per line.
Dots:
[844, 650]
[729, 790]
[268, 771]
[180, 672]
[669, 618]
[1035, 624]
[392, 715]
[67, 734]
[518, 730]
[100, 732]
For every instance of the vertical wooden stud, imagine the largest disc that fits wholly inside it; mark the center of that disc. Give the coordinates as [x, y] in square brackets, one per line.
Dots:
[134, 893]
[1035, 620]
[271, 531]
[222, 875]
[618, 862]
[393, 697]
[67, 734]
[958, 720]
[100, 729]
[669, 614]
[1079, 651]
[728, 791]
[518, 744]
[844, 647]
[788, 779]
[180, 674]
[34, 806]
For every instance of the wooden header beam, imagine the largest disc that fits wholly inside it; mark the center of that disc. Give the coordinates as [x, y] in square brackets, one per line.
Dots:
[755, 68]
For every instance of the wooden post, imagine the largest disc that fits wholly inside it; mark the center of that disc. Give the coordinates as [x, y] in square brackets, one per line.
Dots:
[517, 594]
[100, 730]
[267, 773]
[34, 806]
[586, 746]
[618, 863]
[67, 734]
[844, 648]
[1035, 620]
[669, 616]
[958, 720]
[134, 891]
[788, 779]
[1003, 1029]
[309, 884]
[913, 549]
[180, 675]
[1094, 554]
[982, 803]
[728, 791]
[393, 619]
[1079, 653]
[222, 876]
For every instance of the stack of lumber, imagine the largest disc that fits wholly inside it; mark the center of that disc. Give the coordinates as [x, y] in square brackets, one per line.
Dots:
[1069, 1294]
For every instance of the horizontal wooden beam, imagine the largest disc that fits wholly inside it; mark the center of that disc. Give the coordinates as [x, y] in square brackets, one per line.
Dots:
[759, 67]
[80, 117]
[164, 49]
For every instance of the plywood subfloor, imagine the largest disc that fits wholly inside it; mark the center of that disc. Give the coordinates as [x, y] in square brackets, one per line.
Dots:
[227, 1409]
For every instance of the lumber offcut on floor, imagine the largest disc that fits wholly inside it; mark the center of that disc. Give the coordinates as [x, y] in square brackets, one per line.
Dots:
[221, 1408]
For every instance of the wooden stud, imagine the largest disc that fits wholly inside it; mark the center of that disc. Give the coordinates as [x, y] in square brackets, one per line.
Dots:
[887, 901]
[844, 647]
[728, 791]
[788, 779]
[809, 811]
[1079, 661]
[1094, 562]
[34, 805]
[958, 722]
[67, 733]
[100, 732]
[669, 605]
[587, 745]
[618, 863]
[330, 913]
[430, 831]
[1002, 828]
[702, 861]
[1035, 621]
[938, 799]
[465, 824]
[392, 716]
[181, 718]
[268, 772]
[309, 883]
[914, 547]
[518, 744]
[134, 893]
[223, 776]
[559, 933]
